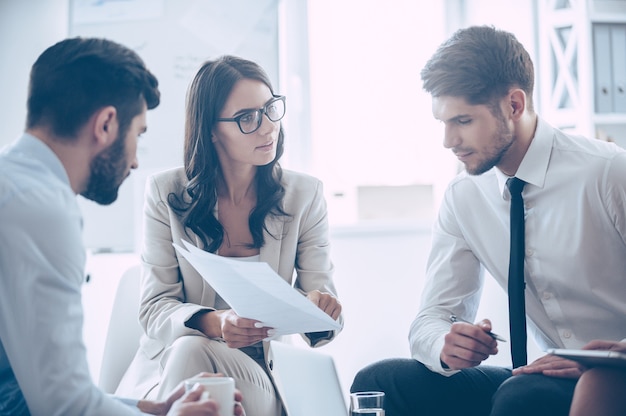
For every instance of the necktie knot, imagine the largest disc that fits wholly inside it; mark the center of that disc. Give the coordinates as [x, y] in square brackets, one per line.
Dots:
[515, 185]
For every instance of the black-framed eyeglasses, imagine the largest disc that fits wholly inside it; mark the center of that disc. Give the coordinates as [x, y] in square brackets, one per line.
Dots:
[250, 121]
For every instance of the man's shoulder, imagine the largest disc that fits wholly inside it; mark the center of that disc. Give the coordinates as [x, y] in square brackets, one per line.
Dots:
[575, 143]
[32, 184]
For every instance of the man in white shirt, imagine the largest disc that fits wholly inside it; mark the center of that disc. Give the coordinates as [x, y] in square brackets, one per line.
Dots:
[87, 106]
[481, 82]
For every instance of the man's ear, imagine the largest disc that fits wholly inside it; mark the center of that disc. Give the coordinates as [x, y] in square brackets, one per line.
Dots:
[517, 102]
[105, 127]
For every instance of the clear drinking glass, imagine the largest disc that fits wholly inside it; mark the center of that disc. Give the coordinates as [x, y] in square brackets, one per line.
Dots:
[367, 403]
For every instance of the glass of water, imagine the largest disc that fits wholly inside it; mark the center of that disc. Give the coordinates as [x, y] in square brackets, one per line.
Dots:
[367, 403]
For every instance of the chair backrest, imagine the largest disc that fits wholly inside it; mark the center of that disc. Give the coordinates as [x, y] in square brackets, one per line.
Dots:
[122, 340]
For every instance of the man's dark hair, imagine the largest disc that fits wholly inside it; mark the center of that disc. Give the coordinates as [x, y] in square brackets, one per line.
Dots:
[74, 78]
[480, 64]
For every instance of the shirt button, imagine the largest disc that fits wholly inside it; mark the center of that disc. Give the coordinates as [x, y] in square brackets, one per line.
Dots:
[529, 252]
[567, 334]
[547, 295]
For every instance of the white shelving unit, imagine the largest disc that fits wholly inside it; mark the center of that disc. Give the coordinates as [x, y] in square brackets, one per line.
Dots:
[580, 73]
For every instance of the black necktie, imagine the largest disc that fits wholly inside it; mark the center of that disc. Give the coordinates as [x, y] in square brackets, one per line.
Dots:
[517, 307]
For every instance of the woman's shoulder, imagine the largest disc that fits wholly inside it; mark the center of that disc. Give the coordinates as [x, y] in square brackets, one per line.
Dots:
[301, 189]
[299, 180]
[169, 179]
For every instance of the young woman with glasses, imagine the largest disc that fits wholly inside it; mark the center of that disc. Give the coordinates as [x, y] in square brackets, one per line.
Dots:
[233, 199]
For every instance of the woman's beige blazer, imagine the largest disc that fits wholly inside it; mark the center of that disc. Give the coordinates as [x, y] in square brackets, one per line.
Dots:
[172, 291]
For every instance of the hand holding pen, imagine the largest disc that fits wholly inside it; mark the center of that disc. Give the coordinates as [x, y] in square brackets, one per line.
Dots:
[454, 318]
[468, 345]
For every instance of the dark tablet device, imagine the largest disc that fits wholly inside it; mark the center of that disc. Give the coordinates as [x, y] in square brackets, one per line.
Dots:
[592, 358]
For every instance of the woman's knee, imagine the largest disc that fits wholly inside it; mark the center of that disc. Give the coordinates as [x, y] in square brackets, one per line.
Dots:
[600, 390]
[189, 344]
[193, 349]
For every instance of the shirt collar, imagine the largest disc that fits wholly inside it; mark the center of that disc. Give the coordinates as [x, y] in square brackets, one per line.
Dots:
[534, 165]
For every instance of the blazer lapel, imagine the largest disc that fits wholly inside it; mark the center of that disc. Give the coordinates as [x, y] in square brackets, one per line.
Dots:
[270, 252]
[208, 294]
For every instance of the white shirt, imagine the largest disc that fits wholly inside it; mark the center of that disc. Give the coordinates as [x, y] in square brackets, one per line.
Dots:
[42, 266]
[575, 265]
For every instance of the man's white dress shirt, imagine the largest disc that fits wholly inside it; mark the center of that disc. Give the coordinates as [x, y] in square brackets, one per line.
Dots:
[575, 265]
[42, 266]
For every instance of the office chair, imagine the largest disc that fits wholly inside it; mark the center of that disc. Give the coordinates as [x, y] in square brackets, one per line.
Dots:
[122, 340]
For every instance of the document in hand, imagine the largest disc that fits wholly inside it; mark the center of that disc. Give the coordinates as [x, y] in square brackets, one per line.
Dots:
[255, 291]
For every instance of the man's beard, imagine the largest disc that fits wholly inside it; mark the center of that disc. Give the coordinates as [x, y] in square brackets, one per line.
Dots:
[107, 172]
[503, 141]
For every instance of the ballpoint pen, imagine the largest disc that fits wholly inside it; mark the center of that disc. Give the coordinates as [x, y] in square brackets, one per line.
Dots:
[454, 318]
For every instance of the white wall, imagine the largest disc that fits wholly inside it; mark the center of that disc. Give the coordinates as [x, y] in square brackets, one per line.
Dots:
[371, 122]
[26, 29]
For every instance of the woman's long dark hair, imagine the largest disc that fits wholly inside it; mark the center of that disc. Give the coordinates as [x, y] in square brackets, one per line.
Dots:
[206, 97]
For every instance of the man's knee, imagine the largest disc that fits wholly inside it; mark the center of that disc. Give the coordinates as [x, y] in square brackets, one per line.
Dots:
[534, 394]
[384, 374]
[411, 388]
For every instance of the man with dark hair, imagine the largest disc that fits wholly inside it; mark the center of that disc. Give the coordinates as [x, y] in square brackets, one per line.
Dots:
[561, 260]
[87, 106]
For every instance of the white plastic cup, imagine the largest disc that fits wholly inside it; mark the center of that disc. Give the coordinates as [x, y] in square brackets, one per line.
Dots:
[220, 389]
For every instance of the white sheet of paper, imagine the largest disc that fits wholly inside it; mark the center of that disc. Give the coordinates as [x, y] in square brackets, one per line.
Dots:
[255, 291]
